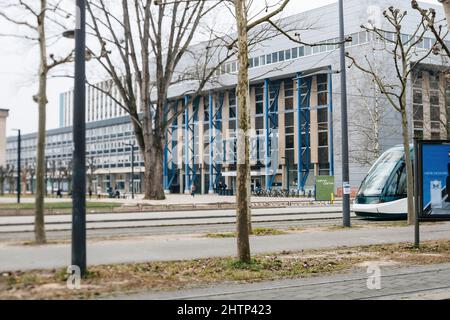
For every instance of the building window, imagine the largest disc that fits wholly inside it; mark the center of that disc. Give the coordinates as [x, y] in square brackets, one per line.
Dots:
[322, 90]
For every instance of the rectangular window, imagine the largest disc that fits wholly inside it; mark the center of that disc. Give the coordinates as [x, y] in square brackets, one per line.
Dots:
[287, 54]
[323, 47]
[256, 62]
[228, 68]
[294, 53]
[250, 63]
[234, 66]
[259, 100]
[316, 49]
[404, 38]
[275, 57]
[281, 57]
[262, 60]
[307, 51]
[269, 59]
[301, 51]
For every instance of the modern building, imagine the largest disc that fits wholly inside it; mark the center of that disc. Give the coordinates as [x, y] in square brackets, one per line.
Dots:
[294, 106]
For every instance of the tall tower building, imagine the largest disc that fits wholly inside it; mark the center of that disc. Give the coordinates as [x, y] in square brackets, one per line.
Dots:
[3, 115]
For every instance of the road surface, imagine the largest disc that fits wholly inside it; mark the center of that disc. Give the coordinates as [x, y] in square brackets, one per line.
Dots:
[183, 247]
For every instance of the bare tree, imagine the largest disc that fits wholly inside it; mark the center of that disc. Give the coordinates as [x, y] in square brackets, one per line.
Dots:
[244, 24]
[31, 175]
[10, 178]
[143, 47]
[405, 58]
[32, 17]
[23, 176]
[438, 30]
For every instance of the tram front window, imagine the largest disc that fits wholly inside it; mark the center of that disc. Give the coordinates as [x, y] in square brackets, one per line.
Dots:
[379, 174]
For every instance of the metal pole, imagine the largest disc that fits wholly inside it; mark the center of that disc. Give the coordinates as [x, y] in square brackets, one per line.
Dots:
[19, 147]
[132, 171]
[79, 135]
[344, 129]
[211, 144]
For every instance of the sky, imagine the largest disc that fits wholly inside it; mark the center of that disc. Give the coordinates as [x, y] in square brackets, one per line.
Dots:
[18, 82]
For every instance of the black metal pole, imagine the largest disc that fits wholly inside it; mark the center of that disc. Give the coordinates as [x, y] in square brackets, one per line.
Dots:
[79, 135]
[132, 171]
[19, 147]
[344, 125]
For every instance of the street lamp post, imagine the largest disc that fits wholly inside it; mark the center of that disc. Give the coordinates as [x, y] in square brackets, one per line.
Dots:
[344, 124]
[79, 143]
[132, 145]
[19, 147]
[287, 171]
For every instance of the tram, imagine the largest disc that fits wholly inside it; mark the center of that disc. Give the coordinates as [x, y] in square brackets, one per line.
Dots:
[383, 193]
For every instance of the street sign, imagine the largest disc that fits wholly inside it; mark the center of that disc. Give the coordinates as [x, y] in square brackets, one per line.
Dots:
[324, 188]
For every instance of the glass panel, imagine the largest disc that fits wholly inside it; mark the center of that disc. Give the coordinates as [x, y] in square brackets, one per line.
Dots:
[378, 175]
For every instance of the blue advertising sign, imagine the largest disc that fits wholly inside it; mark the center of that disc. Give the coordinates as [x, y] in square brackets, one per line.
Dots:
[434, 179]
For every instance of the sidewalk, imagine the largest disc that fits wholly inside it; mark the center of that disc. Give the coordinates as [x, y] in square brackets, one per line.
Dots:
[171, 199]
[397, 283]
[171, 248]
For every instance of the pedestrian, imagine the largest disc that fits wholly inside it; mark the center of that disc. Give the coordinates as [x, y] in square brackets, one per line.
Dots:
[90, 193]
[99, 192]
[193, 188]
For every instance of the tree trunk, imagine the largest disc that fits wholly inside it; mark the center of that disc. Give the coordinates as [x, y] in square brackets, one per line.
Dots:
[39, 226]
[409, 166]
[243, 157]
[154, 157]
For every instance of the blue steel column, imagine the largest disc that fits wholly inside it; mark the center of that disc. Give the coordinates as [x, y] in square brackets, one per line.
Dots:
[187, 184]
[266, 121]
[299, 131]
[330, 122]
[211, 144]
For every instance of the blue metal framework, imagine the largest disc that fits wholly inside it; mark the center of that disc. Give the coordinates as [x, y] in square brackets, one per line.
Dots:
[170, 147]
[215, 131]
[303, 131]
[190, 169]
[271, 92]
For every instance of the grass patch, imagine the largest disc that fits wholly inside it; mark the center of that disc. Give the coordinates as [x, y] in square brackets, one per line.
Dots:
[121, 278]
[258, 232]
[58, 205]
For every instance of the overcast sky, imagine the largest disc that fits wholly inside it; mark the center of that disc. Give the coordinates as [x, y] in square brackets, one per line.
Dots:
[18, 84]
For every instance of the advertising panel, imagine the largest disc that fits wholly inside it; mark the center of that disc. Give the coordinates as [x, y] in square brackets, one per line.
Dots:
[434, 179]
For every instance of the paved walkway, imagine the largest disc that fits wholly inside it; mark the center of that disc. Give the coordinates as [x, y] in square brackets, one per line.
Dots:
[171, 199]
[169, 248]
[140, 219]
[397, 283]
